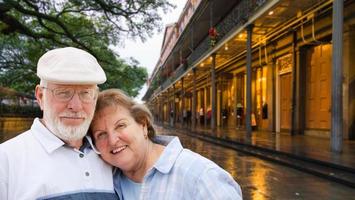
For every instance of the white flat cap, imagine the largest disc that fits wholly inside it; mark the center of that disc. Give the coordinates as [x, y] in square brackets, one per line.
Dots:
[70, 65]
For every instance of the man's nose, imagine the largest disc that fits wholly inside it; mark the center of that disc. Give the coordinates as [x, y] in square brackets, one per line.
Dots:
[75, 103]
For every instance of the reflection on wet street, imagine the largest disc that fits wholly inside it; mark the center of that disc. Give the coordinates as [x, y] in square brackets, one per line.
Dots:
[262, 179]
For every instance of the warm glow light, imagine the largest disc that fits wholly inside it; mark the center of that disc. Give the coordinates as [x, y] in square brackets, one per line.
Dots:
[240, 35]
[202, 64]
[262, 79]
[271, 12]
[259, 176]
[226, 47]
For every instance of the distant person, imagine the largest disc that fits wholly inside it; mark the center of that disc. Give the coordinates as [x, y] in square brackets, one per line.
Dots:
[202, 117]
[171, 117]
[188, 117]
[54, 159]
[184, 116]
[239, 115]
[150, 166]
[224, 116]
[209, 115]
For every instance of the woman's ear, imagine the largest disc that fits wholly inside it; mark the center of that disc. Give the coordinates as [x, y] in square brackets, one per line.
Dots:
[145, 127]
[145, 131]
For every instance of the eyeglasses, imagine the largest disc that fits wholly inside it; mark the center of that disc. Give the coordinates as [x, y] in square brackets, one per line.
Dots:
[66, 94]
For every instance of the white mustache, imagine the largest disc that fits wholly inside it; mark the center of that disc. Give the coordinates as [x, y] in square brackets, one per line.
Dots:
[74, 115]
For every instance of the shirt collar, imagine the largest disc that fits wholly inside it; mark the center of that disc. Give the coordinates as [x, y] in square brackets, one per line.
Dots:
[47, 139]
[91, 145]
[50, 142]
[170, 154]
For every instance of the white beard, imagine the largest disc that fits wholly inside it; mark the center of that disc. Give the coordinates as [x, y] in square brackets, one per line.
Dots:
[64, 132]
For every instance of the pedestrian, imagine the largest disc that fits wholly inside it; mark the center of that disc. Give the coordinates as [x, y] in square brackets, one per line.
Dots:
[184, 116]
[197, 117]
[54, 159]
[171, 117]
[188, 117]
[150, 166]
[239, 115]
[209, 115]
[224, 116]
[202, 118]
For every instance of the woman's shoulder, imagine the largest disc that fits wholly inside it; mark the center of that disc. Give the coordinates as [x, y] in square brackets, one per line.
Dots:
[194, 163]
[203, 174]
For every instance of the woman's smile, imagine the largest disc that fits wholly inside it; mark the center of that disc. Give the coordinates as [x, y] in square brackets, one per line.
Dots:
[119, 149]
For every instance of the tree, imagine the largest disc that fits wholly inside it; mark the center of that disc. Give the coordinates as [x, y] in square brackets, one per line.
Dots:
[28, 28]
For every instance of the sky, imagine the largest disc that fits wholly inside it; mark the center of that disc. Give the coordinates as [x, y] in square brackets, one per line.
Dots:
[147, 53]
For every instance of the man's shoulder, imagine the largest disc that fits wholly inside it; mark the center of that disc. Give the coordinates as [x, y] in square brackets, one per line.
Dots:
[16, 142]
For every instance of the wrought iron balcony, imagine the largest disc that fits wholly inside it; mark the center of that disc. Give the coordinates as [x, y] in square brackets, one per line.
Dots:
[236, 18]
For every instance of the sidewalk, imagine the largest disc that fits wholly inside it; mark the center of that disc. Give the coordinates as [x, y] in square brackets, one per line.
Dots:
[305, 146]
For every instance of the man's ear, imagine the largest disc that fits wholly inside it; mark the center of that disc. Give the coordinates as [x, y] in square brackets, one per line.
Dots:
[39, 96]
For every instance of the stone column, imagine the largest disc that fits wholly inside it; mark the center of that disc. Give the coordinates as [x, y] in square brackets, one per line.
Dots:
[205, 90]
[248, 86]
[294, 113]
[337, 72]
[174, 106]
[214, 96]
[194, 96]
[182, 101]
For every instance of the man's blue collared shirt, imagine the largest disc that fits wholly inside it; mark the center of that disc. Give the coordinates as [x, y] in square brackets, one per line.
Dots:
[182, 174]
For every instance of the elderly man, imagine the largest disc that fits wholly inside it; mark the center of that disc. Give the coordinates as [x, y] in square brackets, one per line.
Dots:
[54, 159]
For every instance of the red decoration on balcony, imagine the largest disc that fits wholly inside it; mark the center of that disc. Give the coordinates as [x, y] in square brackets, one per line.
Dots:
[212, 33]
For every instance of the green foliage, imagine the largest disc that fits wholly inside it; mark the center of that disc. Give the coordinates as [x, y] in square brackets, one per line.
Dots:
[155, 83]
[30, 28]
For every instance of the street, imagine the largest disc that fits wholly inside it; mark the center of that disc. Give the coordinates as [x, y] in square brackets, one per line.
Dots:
[260, 179]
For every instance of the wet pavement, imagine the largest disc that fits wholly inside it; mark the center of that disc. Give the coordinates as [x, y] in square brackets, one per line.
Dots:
[312, 147]
[262, 179]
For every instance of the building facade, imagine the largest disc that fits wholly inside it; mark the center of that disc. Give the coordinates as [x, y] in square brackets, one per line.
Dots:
[269, 65]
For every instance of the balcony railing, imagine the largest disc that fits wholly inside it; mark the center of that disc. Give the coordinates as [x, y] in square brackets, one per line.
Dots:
[236, 18]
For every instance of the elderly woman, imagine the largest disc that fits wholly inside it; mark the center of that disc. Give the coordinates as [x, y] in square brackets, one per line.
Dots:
[150, 166]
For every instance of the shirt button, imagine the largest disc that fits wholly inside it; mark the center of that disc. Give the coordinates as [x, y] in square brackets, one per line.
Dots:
[87, 174]
[81, 155]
